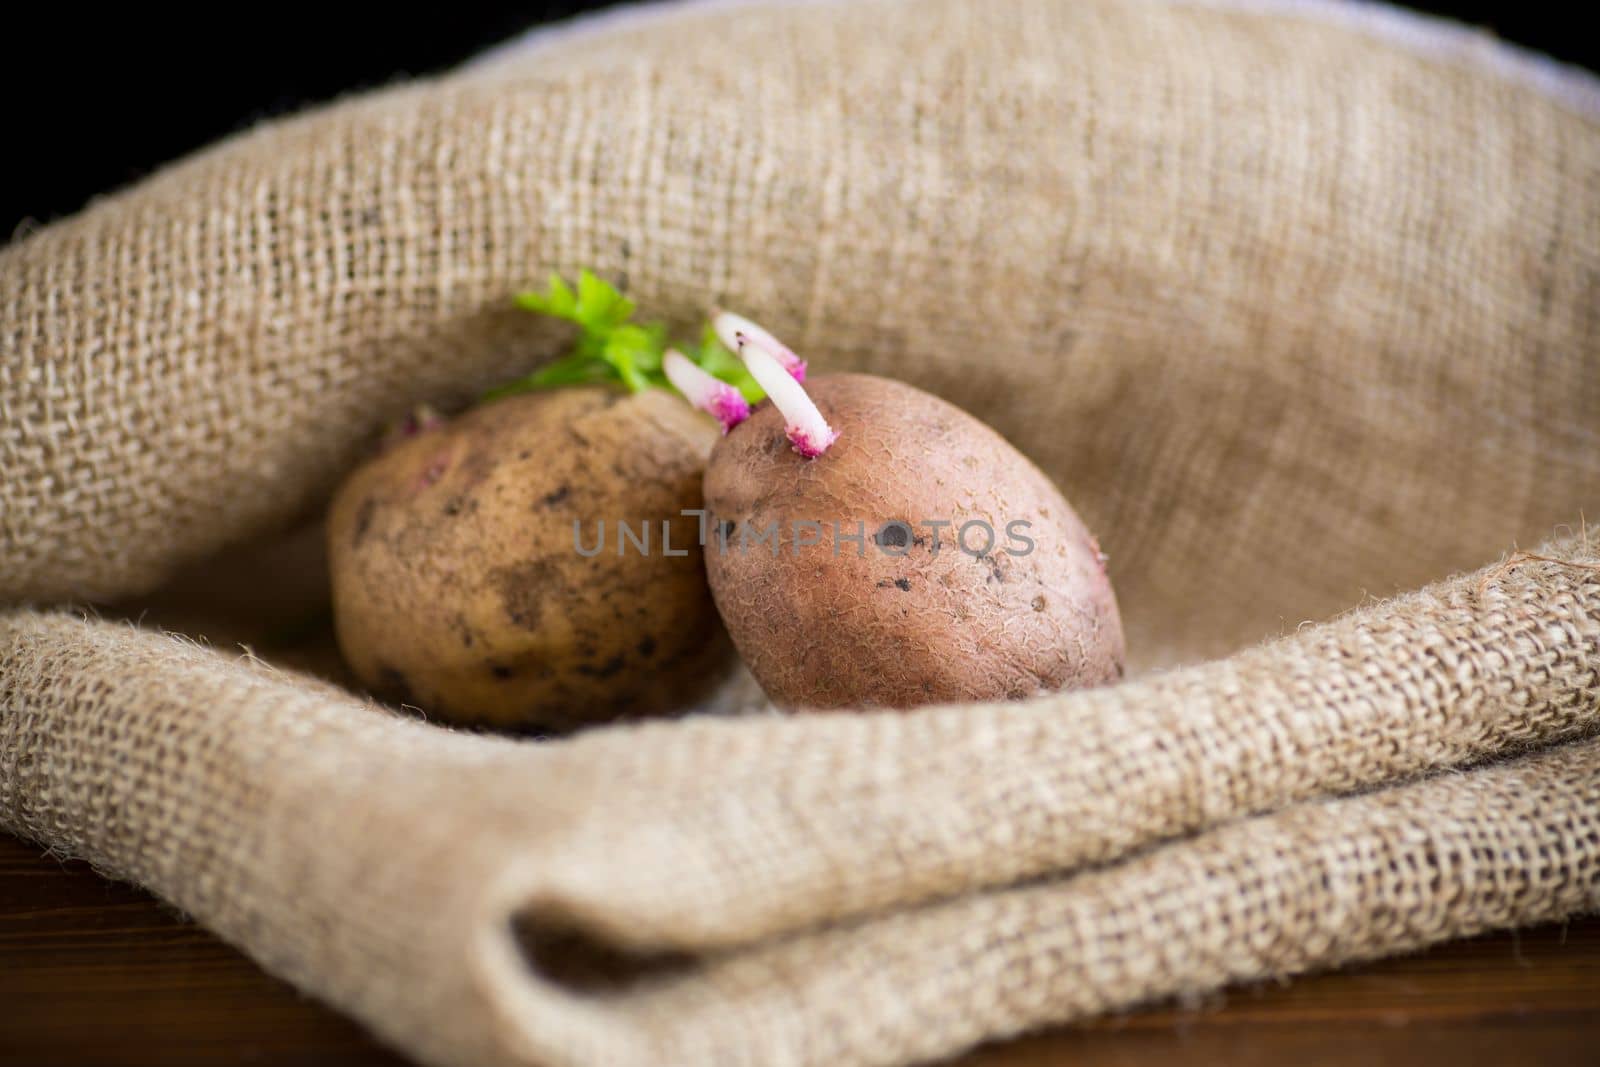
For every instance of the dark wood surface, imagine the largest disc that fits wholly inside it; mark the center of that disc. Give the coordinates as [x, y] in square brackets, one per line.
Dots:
[93, 972]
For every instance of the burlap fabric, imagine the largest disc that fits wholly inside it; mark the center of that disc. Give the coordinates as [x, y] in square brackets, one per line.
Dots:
[1295, 312]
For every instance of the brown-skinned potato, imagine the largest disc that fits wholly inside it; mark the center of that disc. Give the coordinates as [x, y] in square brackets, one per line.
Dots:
[908, 618]
[458, 587]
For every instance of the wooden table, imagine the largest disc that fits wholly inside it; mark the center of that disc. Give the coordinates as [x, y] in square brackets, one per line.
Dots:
[93, 972]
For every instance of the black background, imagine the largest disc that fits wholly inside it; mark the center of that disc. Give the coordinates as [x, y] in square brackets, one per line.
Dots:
[96, 99]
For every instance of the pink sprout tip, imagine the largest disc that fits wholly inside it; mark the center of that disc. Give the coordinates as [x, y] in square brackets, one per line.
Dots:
[704, 391]
[729, 407]
[807, 429]
[808, 445]
[796, 368]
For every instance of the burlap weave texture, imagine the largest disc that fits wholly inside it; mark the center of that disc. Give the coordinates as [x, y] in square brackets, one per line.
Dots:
[1295, 315]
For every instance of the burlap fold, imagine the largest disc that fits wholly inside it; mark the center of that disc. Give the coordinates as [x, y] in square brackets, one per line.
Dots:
[1295, 307]
[679, 893]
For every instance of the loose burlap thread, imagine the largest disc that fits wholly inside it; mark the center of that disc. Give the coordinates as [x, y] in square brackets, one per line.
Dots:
[1292, 313]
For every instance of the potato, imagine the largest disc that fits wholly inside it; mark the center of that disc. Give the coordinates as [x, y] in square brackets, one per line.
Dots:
[459, 588]
[914, 612]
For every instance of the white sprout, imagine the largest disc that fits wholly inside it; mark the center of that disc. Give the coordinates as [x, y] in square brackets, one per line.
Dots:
[730, 327]
[703, 391]
[808, 431]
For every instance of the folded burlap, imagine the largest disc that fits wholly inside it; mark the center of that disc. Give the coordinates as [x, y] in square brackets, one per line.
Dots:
[1294, 304]
[830, 889]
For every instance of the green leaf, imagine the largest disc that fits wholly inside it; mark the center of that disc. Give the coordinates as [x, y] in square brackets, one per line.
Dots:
[556, 301]
[611, 348]
[621, 357]
[607, 348]
[652, 344]
[572, 369]
[644, 345]
[569, 370]
[601, 308]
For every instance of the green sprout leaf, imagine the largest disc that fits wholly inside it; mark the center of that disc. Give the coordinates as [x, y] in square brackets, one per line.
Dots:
[576, 368]
[610, 347]
[600, 308]
[557, 301]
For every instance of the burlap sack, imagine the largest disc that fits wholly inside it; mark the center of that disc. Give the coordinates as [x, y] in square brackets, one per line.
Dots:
[1295, 306]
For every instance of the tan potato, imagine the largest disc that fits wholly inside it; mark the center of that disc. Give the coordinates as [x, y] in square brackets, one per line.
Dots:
[908, 616]
[459, 588]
